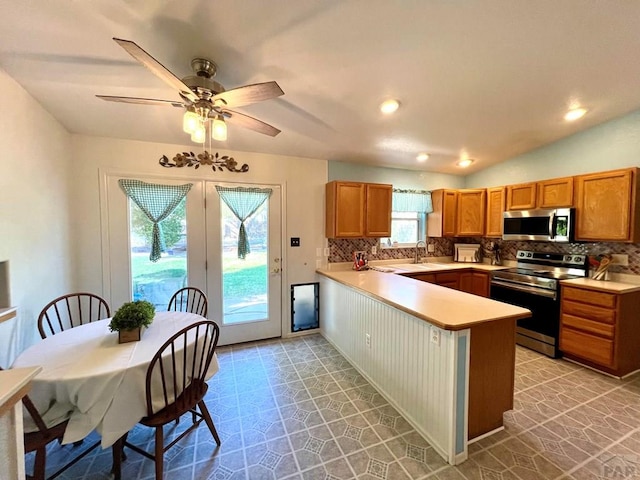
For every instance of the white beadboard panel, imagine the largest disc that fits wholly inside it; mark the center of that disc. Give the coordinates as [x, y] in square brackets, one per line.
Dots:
[417, 376]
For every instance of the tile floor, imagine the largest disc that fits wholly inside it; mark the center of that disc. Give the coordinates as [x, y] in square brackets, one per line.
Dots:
[296, 409]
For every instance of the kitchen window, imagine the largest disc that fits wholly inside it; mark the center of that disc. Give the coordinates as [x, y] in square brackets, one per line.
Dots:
[408, 218]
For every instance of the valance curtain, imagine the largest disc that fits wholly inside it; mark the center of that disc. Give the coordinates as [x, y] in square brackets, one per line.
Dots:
[157, 202]
[411, 201]
[243, 202]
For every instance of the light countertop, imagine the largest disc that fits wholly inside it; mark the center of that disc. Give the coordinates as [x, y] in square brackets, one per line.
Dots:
[602, 285]
[443, 307]
[7, 313]
[13, 385]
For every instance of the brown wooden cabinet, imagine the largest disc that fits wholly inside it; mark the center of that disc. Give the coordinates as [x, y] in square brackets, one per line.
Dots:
[475, 282]
[495, 208]
[600, 329]
[355, 210]
[442, 221]
[378, 210]
[522, 196]
[555, 193]
[457, 213]
[448, 279]
[607, 207]
[470, 212]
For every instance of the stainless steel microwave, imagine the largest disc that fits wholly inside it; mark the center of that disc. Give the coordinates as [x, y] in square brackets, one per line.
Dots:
[539, 225]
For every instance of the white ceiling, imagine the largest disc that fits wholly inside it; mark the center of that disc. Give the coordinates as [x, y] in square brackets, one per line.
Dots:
[490, 77]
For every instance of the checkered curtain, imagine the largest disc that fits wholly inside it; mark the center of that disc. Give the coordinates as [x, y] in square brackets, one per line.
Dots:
[411, 201]
[157, 202]
[243, 202]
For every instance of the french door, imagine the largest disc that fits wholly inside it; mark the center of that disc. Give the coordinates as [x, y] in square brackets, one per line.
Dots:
[245, 295]
[250, 288]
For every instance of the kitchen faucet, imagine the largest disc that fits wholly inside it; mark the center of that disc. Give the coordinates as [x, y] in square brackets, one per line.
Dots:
[417, 246]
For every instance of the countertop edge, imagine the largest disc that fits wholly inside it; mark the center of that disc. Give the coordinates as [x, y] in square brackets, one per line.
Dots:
[7, 313]
[420, 315]
[609, 286]
[14, 385]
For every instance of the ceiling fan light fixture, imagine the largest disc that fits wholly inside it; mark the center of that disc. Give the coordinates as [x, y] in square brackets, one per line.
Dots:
[199, 134]
[389, 106]
[575, 114]
[219, 129]
[190, 121]
[464, 162]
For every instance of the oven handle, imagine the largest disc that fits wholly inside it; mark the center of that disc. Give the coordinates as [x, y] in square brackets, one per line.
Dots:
[522, 288]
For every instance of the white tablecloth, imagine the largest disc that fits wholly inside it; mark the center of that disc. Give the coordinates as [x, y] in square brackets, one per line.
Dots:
[88, 377]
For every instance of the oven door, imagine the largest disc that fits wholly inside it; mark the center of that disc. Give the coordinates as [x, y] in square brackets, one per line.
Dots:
[539, 332]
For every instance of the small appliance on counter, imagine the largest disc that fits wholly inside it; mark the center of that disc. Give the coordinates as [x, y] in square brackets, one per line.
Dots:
[360, 261]
[466, 252]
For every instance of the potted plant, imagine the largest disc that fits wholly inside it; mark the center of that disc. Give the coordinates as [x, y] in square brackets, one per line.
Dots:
[130, 318]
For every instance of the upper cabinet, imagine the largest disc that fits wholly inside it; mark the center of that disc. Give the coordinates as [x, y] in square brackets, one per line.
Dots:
[606, 206]
[555, 193]
[377, 222]
[442, 221]
[457, 213]
[470, 212]
[495, 207]
[521, 197]
[355, 209]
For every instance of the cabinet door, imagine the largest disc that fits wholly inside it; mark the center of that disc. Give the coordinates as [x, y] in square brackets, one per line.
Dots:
[470, 213]
[604, 206]
[554, 193]
[345, 209]
[378, 210]
[521, 197]
[449, 204]
[448, 279]
[475, 282]
[495, 208]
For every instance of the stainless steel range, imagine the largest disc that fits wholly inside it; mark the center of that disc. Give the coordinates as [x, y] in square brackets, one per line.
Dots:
[535, 284]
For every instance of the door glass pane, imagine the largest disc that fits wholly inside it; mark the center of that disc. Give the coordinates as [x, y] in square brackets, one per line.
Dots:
[244, 281]
[157, 282]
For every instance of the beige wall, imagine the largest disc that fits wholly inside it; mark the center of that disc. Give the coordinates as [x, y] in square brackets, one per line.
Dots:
[34, 218]
[303, 183]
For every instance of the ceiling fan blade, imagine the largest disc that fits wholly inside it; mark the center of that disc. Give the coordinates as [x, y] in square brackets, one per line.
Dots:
[159, 70]
[141, 101]
[242, 120]
[236, 97]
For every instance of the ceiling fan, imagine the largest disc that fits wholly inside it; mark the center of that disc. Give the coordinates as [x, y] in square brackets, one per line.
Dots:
[206, 102]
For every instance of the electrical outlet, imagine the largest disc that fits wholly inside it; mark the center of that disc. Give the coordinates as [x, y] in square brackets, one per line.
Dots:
[318, 252]
[431, 248]
[434, 334]
[327, 252]
[374, 250]
[619, 259]
[318, 263]
[367, 340]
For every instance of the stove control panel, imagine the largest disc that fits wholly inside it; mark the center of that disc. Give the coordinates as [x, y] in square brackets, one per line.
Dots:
[554, 259]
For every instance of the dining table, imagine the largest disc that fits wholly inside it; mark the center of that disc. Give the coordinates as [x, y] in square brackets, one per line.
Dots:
[94, 381]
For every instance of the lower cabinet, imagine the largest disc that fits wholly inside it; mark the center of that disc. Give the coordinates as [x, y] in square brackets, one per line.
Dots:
[600, 329]
[475, 282]
[469, 281]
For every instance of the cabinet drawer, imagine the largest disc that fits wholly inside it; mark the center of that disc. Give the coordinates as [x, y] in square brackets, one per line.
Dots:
[588, 326]
[589, 347]
[589, 296]
[424, 277]
[447, 277]
[591, 312]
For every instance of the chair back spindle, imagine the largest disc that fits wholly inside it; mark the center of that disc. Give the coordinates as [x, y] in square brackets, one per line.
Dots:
[189, 299]
[71, 310]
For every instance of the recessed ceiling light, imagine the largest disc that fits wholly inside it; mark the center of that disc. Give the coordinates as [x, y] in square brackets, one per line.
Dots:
[575, 114]
[389, 106]
[464, 163]
[422, 157]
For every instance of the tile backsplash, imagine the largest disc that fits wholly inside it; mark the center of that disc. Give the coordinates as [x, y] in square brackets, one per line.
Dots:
[341, 250]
